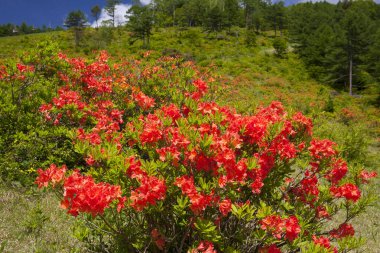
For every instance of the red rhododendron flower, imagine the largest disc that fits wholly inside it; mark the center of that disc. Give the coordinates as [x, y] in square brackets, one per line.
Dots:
[150, 190]
[321, 149]
[208, 108]
[339, 170]
[304, 121]
[292, 228]
[171, 111]
[82, 194]
[186, 183]
[308, 189]
[273, 224]
[322, 241]
[151, 131]
[348, 191]
[144, 101]
[343, 231]
[270, 249]
[276, 226]
[321, 212]
[206, 247]
[24, 68]
[199, 201]
[365, 176]
[225, 206]
[52, 174]
[158, 238]
[90, 160]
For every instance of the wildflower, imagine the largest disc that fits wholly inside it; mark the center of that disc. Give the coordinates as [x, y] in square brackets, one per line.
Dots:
[348, 191]
[53, 174]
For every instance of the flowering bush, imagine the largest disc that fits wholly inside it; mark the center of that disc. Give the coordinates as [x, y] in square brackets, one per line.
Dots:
[167, 169]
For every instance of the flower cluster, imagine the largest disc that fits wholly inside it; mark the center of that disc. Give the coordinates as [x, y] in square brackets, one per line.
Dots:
[150, 190]
[324, 242]
[83, 195]
[348, 191]
[278, 227]
[52, 174]
[199, 201]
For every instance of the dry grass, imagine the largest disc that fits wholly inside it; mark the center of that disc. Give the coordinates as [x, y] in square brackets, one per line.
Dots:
[33, 222]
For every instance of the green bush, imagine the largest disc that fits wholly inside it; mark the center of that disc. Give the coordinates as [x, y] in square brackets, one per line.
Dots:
[280, 46]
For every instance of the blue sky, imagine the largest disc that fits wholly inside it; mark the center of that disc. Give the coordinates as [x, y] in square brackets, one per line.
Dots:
[53, 12]
[44, 12]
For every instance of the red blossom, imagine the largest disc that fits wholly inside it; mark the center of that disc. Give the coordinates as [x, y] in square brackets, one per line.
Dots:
[90, 160]
[321, 212]
[322, 241]
[307, 190]
[273, 224]
[321, 149]
[205, 247]
[305, 122]
[172, 112]
[277, 226]
[208, 108]
[134, 170]
[225, 206]
[158, 239]
[199, 201]
[150, 190]
[365, 176]
[348, 191]
[270, 249]
[52, 174]
[83, 195]
[343, 231]
[292, 228]
[144, 101]
[339, 170]
[151, 130]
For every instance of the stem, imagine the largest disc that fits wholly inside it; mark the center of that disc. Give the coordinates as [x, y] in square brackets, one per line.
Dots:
[109, 225]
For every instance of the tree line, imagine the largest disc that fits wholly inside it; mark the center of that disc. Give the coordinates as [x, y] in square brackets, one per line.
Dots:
[337, 42]
[10, 29]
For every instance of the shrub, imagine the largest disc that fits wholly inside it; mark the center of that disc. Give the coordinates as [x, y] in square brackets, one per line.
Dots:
[280, 46]
[167, 169]
[25, 141]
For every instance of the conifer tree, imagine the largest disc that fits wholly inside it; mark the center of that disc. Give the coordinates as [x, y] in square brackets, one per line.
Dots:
[140, 23]
[111, 9]
[95, 12]
[76, 20]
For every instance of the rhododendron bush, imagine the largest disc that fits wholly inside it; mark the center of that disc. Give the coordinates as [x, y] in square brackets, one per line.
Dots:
[165, 168]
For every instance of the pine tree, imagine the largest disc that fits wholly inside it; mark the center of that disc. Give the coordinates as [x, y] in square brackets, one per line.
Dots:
[140, 23]
[76, 20]
[111, 9]
[95, 12]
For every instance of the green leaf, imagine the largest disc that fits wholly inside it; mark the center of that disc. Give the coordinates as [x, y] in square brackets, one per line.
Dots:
[207, 230]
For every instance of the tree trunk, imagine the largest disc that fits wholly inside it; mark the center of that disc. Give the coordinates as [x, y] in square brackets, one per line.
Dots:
[77, 35]
[350, 75]
[275, 26]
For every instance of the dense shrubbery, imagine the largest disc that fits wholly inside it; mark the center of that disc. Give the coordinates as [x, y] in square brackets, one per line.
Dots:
[26, 142]
[165, 168]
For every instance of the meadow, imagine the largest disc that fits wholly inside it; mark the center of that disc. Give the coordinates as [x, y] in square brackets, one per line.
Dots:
[247, 77]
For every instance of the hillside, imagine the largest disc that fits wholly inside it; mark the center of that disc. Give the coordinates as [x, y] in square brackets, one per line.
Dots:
[248, 75]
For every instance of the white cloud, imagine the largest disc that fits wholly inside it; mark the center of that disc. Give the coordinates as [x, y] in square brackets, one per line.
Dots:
[145, 2]
[120, 19]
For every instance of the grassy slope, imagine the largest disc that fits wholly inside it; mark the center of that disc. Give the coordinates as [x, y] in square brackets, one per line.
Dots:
[250, 76]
